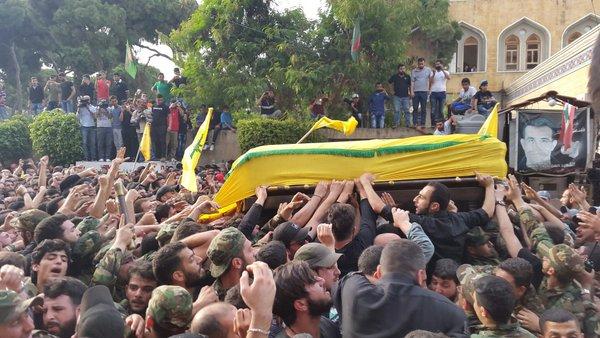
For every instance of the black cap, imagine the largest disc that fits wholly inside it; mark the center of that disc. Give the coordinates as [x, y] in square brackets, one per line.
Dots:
[483, 83]
[99, 316]
[289, 232]
[165, 189]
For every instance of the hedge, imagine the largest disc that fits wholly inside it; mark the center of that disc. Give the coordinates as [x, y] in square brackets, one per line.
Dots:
[15, 142]
[255, 132]
[57, 135]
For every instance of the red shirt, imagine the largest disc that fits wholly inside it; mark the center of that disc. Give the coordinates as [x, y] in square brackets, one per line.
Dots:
[173, 119]
[103, 86]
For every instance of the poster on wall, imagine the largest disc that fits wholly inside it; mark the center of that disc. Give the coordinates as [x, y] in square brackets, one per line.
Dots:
[553, 142]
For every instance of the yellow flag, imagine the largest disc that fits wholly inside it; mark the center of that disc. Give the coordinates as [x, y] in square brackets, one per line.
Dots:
[145, 143]
[191, 156]
[490, 126]
[347, 127]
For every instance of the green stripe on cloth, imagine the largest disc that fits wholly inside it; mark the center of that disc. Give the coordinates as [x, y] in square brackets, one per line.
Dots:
[366, 153]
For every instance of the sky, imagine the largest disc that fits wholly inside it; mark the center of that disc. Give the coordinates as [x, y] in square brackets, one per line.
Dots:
[310, 8]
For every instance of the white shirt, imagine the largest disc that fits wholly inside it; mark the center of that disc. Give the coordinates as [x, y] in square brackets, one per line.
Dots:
[439, 81]
[466, 96]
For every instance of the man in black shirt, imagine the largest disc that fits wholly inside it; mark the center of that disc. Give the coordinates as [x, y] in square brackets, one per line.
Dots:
[36, 96]
[158, 128]
[402, 90]
[177, 79]
[67, 93]
[398, 302]
[447, 230]
[87, 88]
[119, 88]
[483, 99]
[267, 103]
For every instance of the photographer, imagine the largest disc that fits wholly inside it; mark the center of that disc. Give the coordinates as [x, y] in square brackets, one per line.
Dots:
[355, 105]
[104, 131]
[266, 102]
[86, 113]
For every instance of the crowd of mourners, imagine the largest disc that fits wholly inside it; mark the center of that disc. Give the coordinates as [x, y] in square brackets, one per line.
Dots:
[81, 257]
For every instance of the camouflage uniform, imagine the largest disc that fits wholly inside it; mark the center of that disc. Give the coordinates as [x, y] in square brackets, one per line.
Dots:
[170, 306]
[88, 224]
[467, 276]
[478, 237]
[107, 271]
[165, 234]
[506, 330]
[540, 239]
[83, 254]
[530, 301]
[566, 260]
[227, 245]
[27, 221]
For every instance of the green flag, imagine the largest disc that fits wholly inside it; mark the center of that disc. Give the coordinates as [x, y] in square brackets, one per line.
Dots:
[130, 64]
[355, 48]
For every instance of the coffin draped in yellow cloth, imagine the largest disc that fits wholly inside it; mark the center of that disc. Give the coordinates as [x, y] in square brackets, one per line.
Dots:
[414, 158]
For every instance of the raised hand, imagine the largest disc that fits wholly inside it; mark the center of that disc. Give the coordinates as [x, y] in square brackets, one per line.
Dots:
[325, 235]
[484, 180]
[321, 189]
[388, 199]
[259, 295]
[530, 192]
[401, 220]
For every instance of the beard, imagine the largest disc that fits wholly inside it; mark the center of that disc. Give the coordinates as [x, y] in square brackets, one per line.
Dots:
[65, 330]
[319, 307]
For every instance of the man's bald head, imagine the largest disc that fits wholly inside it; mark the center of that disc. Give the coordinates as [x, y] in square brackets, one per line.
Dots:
[383, 239]
[214, 320]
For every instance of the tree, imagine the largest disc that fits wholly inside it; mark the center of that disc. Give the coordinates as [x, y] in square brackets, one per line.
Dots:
[233, 49]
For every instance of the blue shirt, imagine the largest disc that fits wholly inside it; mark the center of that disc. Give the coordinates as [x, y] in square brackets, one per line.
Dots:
[116, 116]
[377, 103]
[226, 119]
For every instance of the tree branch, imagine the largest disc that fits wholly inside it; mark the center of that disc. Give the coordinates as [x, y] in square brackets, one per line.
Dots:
[156, 52]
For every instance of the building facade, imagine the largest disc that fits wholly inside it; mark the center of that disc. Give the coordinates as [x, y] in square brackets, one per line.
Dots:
[504, 39]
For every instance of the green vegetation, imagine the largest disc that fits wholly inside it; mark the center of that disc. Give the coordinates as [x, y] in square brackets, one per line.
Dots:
[57, 135]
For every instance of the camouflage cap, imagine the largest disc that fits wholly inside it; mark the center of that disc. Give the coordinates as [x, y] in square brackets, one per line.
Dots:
[165, 233]
[29, 219]
[476, 237]
[565, 260]
[12, 306]
[170, 306]
[88, 224]
[467, 276]
[223, 248]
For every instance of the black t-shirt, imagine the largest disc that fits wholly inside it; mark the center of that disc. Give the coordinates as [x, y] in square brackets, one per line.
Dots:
[483, 96]
[179, 81]
[36, 94]
[65, 89]
[401, 84]
[87, 89]
[267, 106]
[327, 329]
[159, 116]
[120, 91]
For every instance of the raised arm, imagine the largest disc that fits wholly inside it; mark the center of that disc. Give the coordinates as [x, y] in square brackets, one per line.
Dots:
[317, 217]
[376, 202]
[487, 182]
[303, 215]
[534, 196]
[506, 228]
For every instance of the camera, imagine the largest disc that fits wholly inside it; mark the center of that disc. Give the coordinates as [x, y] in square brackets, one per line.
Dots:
[83, 101]
[103, 104]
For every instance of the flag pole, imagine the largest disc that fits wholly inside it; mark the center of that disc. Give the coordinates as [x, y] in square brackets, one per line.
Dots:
[305, 136]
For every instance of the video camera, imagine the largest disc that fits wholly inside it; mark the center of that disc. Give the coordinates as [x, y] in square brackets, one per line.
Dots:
[83, 101]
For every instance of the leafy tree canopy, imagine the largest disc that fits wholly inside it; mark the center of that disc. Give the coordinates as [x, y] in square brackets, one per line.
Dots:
[232, 50]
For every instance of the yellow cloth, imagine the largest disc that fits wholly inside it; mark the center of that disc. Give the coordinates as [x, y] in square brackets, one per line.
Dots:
[145, 143]
[223, 211]
[191, 156]
[490, 126]
[413, 158]
[346, 127]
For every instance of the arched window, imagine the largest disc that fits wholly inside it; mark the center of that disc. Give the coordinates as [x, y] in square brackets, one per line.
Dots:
[574, 36]
[470, 53]
[471, 49]
[579, 27]
[523, 45]
[511, 45]
[533, 51]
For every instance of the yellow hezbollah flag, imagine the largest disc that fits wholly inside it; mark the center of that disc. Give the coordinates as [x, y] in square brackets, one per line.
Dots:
[412, 158]
[145, 143]
[490, 126]
[346, 127]
[191, 156]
